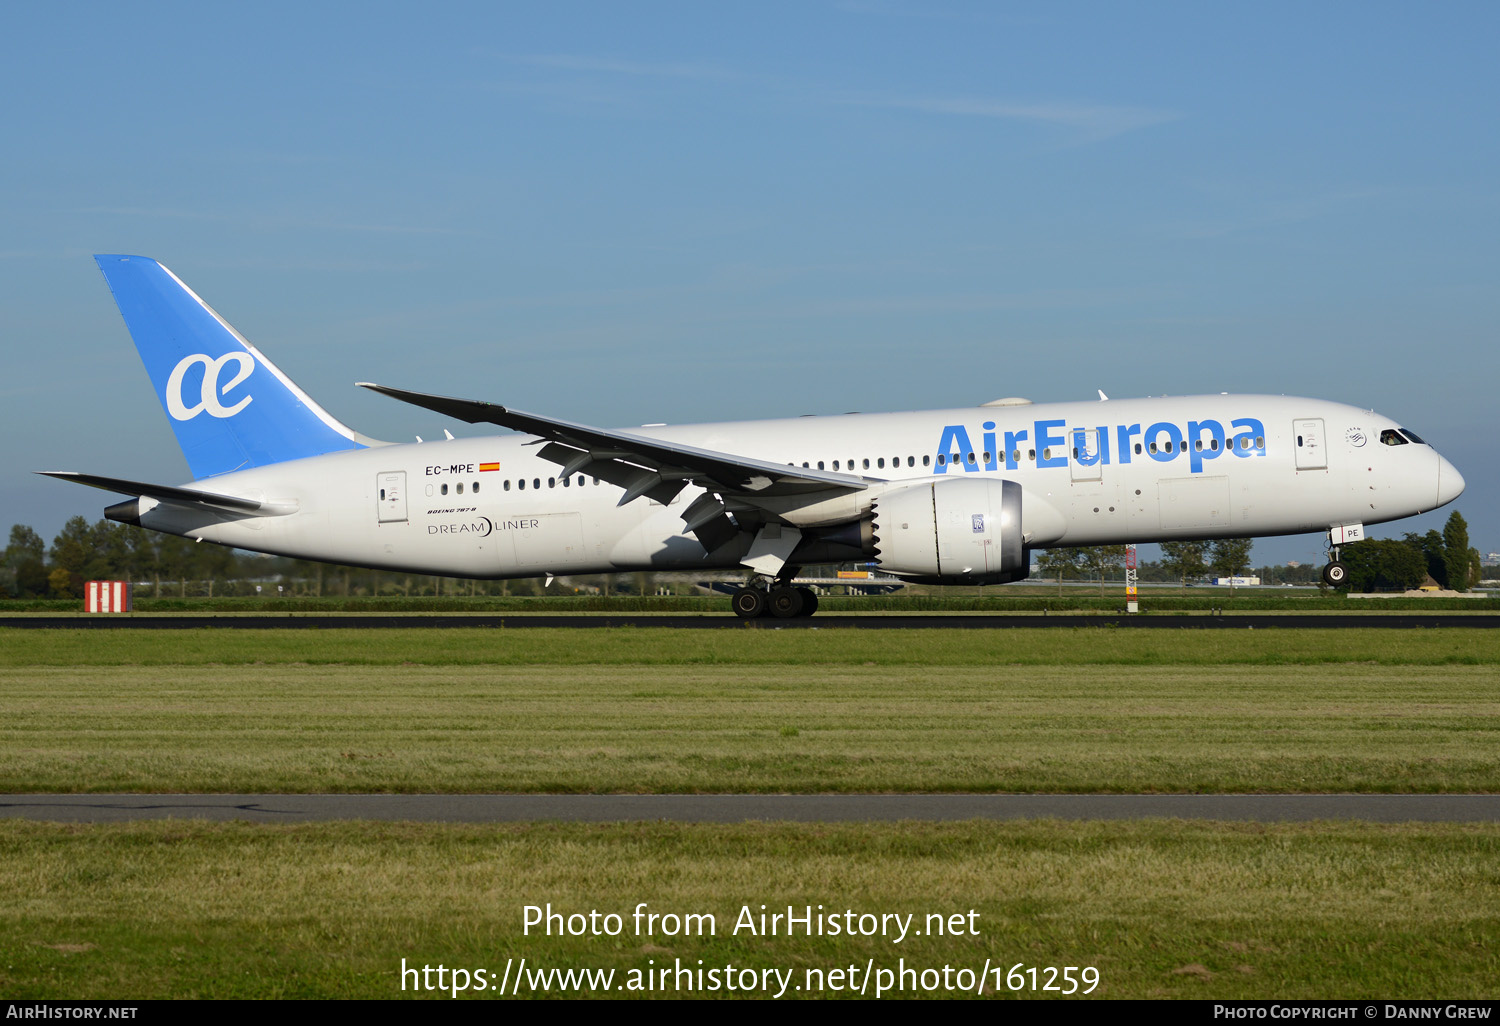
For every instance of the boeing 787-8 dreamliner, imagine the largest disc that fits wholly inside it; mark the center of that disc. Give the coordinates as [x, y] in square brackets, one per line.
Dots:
[955, 496]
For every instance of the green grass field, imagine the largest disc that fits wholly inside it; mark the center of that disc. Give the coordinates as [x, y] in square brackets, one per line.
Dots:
[1161, 909]
[636, 710]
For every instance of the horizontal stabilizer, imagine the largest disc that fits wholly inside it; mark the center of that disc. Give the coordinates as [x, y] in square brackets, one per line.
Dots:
[176, 496]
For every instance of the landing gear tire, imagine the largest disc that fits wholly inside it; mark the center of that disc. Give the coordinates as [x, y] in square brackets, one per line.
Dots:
[786, 602]
[809, 601]
[748, 603]
[1335, 574]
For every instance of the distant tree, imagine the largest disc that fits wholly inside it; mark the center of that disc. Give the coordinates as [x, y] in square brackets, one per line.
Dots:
[143, 558]
[1227, 557]
[25, 563]
[1383, 564]
[1434, 553]
[1184, 559]
[176, 557]
[72, 550]
[1062, 562]
[1100, 560]
[1456, 554]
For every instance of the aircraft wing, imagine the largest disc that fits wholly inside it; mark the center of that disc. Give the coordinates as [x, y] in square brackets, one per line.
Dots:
[643, 466]
[176, 496]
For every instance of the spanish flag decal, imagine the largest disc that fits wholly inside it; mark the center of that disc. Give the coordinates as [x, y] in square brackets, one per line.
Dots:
[489, 466]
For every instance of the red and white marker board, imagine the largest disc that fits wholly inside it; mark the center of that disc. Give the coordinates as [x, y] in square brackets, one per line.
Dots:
[108, 597]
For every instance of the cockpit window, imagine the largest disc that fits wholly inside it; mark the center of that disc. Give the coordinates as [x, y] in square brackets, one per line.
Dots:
[1390, 436]
[1412, 435]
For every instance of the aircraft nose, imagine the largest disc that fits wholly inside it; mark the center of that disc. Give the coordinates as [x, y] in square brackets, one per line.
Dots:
[1450, 484]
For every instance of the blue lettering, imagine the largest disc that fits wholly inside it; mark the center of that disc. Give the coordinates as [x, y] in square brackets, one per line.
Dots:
[1254, 434]
[1011, 450]
[955, 436]
[1045, 440]
[1160, 453]
[1204, 440]
[1197, 453]
[1126, 432]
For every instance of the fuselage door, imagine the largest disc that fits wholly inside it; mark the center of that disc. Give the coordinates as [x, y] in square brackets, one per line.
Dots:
[1085, 462]
[1312, 453]
[391, 487]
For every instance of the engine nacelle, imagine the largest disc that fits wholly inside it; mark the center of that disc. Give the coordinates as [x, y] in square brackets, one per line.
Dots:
[963, 531]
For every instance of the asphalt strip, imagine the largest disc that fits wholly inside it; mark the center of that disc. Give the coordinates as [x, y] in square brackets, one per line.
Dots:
[739, 808]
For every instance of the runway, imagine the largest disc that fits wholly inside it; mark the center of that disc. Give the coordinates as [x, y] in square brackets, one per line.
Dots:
[738, 808]
[727, 621]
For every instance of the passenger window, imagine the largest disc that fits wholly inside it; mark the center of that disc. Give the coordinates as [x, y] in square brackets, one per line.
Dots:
[444, 489]
[926, 461]
[971, 459]
[942, 460]
[382, 495]
[1047, 453]
[986, 458]
[459, 488]
[867, 464]
[1153, 448]
[880, 463]
[551, 483]
[1213, 443]
[1137, 448]
[911, 461]
[1260, 442]
[1198, 445]
[1031, 455]
[521, 484]
[1015, 455]
[506, 486]
[820, 464]
[567, 482]
[476, 487]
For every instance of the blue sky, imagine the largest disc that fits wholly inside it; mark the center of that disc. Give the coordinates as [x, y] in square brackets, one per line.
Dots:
[671, 212]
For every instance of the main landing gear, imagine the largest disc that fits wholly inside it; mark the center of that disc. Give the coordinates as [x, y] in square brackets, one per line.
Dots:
[781, 599]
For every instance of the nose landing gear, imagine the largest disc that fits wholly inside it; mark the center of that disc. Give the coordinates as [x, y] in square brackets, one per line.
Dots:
[1335, 574]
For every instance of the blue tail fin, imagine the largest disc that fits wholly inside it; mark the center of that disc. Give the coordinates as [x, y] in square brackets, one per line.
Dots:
[230, 406]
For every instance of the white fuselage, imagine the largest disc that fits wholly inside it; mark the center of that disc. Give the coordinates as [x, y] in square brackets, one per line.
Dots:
[1144, 470]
